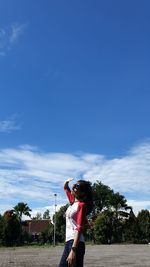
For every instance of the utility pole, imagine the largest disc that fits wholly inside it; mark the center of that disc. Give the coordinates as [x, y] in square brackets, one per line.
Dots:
[55, 195]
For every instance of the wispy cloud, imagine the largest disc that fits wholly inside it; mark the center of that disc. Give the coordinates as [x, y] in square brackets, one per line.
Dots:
[9, 125]
[16, 31]
[2, 54]
[29, 175]
[9, 36]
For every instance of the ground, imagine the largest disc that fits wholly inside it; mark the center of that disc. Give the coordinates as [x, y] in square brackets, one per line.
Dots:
[96, 256]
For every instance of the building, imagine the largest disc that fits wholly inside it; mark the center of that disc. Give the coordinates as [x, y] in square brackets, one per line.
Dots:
[35, 227]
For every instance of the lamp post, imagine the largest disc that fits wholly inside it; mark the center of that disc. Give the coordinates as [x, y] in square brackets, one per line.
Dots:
[55, 195]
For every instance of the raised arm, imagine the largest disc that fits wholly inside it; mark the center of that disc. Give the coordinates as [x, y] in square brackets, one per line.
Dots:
[68, 191]
[66, 183]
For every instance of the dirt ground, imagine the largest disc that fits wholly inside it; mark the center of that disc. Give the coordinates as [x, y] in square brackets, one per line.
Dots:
[96, 256]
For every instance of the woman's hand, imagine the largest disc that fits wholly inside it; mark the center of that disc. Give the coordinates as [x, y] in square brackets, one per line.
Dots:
[69, 179]
[67, 182]
[71, 258]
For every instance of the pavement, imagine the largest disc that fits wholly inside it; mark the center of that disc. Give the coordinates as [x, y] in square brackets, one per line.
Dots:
[96, 256]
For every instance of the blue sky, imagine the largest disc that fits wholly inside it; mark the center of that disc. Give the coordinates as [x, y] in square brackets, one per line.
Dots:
[74, 98]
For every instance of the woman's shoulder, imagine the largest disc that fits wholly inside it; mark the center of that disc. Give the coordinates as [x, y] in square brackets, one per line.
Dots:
[82, 204]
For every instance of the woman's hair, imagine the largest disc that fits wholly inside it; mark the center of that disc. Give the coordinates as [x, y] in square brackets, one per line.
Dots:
[86, 189]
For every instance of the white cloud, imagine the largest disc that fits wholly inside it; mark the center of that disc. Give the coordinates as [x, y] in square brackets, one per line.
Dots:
[9, 36]
[16, 31]
[139, 205]
[32, 176]
[9, 125]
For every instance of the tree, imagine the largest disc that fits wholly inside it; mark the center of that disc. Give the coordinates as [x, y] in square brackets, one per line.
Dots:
[1, 229]
[103, 227]
[143, 219]
[118, 201]
[10, 228]
[110, 209]
[105, 198]
[38, 216]
[108, 228]
[130, 226]
[101, 197]
[46, 215]
[22, 209]
[46, 235]
[19, 210]
[60, 223]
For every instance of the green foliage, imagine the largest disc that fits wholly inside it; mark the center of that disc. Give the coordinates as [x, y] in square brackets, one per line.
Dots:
[143, 219]
[46, 236]
[46, 215]
[117, 201]
[10, 229]
[102, 228]
[38, 216]
[105, 198]
[130, 228]
[101, 197]
[22, 208]
[1, 230]
[60, 223]
[108, 228]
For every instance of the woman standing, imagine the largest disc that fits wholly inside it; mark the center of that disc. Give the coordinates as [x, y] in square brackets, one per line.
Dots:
[81, 202]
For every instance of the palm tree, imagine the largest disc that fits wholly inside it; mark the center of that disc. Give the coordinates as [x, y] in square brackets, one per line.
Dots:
[21, 209]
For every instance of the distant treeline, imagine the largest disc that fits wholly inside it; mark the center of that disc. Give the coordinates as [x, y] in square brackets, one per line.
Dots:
[111, 221]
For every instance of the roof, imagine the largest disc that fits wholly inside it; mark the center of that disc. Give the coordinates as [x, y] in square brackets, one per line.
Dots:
[35, 226]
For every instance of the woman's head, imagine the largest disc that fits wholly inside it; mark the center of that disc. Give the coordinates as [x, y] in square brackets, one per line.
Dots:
[82, 190]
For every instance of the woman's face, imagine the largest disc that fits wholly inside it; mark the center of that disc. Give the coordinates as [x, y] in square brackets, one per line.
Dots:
[76, 189]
